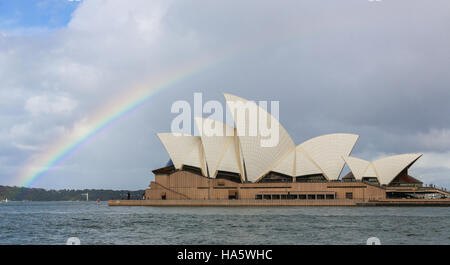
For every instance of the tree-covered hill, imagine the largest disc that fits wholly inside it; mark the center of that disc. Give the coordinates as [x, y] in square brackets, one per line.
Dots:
[34, 194]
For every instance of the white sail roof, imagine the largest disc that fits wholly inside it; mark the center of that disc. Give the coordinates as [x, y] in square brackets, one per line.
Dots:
[287, 164]
[385, 169]
[370, 172]
[237, 148]
[304, 165]
[258, 159]
[184, 150]
[327, 152]
[220, 149]
[232, 159]
[357, 166]
[389, 167]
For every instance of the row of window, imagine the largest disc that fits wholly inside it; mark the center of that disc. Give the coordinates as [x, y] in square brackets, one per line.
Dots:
[294, 197]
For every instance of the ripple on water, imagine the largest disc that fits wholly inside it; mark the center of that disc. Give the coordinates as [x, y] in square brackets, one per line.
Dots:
[54, 222]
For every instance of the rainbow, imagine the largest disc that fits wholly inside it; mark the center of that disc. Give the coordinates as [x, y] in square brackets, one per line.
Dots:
[110, 113]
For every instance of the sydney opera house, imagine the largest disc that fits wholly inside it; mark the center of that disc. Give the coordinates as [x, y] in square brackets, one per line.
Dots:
[234, 168]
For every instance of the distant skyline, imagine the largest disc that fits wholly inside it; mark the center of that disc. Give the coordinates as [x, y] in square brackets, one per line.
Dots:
[377, 69]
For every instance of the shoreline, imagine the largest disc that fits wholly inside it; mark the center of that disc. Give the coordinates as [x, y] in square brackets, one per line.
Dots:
[288, 203]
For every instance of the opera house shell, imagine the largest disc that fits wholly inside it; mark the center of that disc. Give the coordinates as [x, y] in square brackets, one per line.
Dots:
[324, 155]
[235, 166]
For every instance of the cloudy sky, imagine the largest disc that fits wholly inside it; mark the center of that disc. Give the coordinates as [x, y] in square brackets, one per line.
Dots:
[378, 69]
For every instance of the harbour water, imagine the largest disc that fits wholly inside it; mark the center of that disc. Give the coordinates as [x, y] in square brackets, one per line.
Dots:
[55, 222]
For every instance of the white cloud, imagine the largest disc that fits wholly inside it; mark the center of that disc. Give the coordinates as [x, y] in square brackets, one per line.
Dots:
[435, 139]
[434, 160]
[31, 136]
[37, 105]
[19, 130]
[27, 147]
